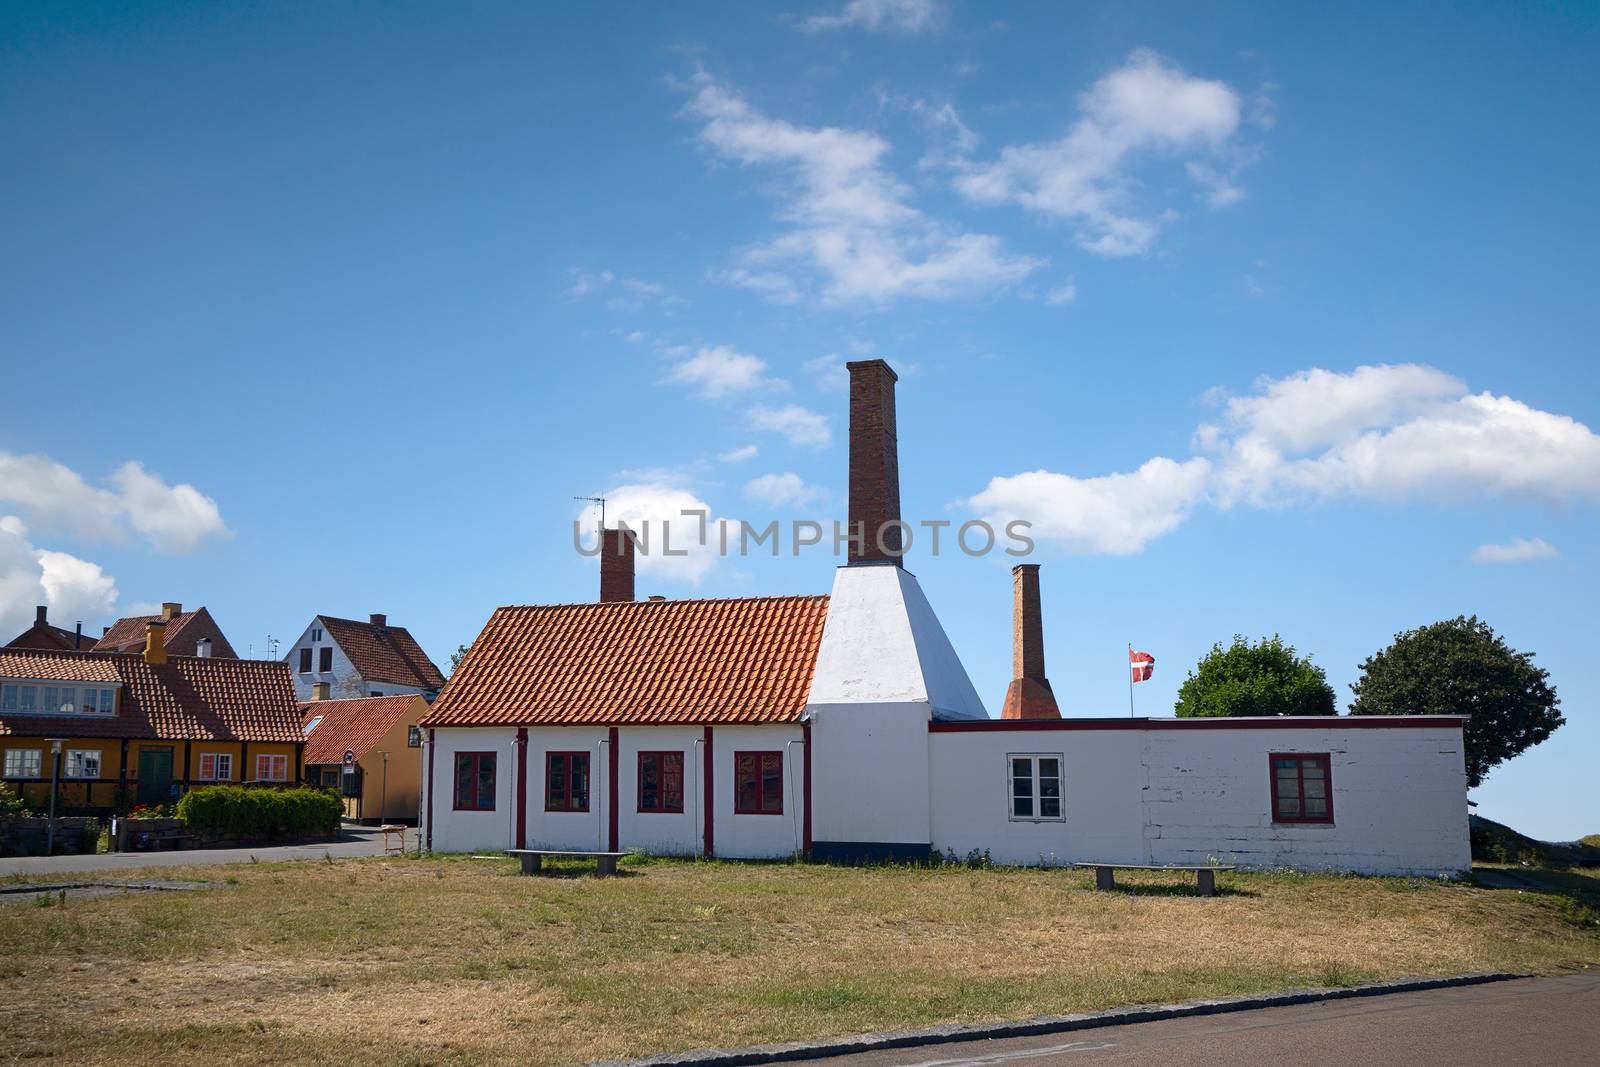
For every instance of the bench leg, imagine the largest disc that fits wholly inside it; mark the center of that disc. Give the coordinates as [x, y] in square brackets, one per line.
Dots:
[1208, 883]
[605, 866]
[1103, 878]
[530, 864]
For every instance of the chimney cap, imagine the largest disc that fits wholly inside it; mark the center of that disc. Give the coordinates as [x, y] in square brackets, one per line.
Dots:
[863, 364]
[171, 609]
[378, 620]
[656, 598]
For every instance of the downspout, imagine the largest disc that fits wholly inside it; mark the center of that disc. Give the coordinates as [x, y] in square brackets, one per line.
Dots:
[700, 784]
[428, 742]
[789, 776]
[599, 812]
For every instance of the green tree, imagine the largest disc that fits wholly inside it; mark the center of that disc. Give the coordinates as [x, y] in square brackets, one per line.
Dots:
[1462, 667]
[457, 656]
[1265, 678]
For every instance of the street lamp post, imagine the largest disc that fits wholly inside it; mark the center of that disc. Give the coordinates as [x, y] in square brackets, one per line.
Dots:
[55, 777]
[383, 798]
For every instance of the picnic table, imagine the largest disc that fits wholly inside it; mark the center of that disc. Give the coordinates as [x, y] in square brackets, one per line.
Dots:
[1205, 873]
[533, 858]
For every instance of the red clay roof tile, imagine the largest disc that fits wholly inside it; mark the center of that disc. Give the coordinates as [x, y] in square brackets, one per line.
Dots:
[188, 697]
[184, 632]
[356, 724]
[743, 660]
[386, 654]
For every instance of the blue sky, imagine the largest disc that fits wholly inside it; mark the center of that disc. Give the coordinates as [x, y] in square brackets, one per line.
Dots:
[1271, 319]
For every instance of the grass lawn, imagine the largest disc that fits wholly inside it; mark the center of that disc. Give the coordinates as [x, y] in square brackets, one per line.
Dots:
[451, 960]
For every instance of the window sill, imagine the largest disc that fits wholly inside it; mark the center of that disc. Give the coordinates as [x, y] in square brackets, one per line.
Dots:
[1302, 822]
[1037, 818]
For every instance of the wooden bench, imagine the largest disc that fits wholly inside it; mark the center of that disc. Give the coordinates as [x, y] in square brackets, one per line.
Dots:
[390, 832]
[532, 859]
[158, 840]
[1205, 874]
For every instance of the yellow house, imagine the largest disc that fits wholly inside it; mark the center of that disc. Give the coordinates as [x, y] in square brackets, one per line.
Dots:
[118, 729]
[378, 738]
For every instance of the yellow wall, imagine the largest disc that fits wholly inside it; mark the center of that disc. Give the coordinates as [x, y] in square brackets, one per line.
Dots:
[102, 792]
[399, 800]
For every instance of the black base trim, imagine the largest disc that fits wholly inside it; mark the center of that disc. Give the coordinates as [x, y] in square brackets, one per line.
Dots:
[856, 853]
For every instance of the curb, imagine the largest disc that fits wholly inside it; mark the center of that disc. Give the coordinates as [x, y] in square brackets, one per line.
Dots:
[1048, 1024]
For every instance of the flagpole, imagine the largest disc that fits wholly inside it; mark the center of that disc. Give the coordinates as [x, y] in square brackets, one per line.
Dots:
[1130, 679]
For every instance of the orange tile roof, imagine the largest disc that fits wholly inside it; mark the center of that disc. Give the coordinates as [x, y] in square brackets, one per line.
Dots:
[744, 660]
[183, 632]
[49, 636]
[186, 698]
[386, 654]
[356, 724]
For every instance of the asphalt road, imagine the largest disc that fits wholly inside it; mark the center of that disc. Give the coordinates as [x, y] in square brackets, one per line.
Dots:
[352, 841]
[1543, 1021]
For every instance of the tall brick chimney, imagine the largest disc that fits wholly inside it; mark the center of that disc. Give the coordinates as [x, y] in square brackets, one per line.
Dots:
[1029, 695]
[874, 463]
[40, 614]
[616, 565]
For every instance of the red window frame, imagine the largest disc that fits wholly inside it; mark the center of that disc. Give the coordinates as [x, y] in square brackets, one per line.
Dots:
[474, 763]
[1325, 761]
[754, 768]
[669, 782]
[562, 800]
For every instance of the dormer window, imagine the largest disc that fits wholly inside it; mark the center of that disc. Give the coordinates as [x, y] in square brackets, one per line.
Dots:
[21, 697]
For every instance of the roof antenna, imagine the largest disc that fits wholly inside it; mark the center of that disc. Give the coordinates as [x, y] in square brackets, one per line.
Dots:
[596, 500]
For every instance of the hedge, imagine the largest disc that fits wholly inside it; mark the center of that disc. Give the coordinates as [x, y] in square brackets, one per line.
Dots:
[235, 811]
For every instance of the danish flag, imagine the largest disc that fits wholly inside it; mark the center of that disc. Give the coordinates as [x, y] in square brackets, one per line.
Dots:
[1143, 665]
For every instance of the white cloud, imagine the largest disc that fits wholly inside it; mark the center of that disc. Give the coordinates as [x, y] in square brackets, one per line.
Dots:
[739, 455]
[720, 371]
[1146, 106]
[1394, 433]
[1114, 514]
[73, 589]
[853, 234]
[172, 518]
[829, 372]
[1062, 294]
[663, 517]
[1520, 550]
[904, 16]
[783, 490]
[800, 425]
[622, 293]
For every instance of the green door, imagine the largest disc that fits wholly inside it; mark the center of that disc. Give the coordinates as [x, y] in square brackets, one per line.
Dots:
[155, 775]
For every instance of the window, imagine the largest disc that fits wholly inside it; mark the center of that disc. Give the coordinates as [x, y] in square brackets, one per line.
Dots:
[325, 659]
[316, 633]
[24, 762]
[377, 692]
[1302, 789]
[216, 767]
[1035, 786]
[475, 781]
[20, 698]
[311, 725]
[330, 777]
[758, 783]
[81, 763]
[661, 781]
[56, 699]
[305, 661]
[566, 781]
[270, 768]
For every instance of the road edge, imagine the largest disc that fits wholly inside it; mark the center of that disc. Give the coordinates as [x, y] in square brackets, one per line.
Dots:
[792, 1051]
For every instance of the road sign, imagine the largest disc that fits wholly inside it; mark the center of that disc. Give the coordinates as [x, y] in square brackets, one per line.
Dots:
[349, 757]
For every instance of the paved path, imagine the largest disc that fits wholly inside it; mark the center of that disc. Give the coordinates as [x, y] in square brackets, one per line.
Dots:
[1545, 1021]
[352, 841]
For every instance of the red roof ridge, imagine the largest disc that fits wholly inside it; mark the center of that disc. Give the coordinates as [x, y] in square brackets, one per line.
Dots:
[620, 604]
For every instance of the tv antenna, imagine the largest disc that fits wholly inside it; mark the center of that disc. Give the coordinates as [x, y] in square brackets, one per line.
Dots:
[596, 500]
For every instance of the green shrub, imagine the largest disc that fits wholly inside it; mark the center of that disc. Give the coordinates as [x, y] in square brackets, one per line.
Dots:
[237, 811]
[11, 804]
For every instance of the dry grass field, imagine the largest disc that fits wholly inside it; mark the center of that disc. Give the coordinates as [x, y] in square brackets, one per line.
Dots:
[453, 960]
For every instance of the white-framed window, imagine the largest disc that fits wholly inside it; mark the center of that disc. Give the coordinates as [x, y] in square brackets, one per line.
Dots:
[1034, 779]
[270, 768]
[81, 763]
[216, 767]
[311, 724]
[24, 763]
[57, 698]
[316, 633]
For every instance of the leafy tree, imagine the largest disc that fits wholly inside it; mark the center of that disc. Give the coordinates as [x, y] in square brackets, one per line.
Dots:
[457, 656]
[1265, 678]
[1462, 667]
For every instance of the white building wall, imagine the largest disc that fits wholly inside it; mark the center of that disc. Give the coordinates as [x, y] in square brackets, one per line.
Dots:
[759, 836]
[869, 774]
[1192, 795]
[662, 833]
[470, 831]
[343, 681]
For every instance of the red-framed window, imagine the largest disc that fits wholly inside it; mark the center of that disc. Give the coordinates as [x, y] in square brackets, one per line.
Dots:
[661, 781]
[1302, 787]
[566, 781]
[475, 780]
[758, 783]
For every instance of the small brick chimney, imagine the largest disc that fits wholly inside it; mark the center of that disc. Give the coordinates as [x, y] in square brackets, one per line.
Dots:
[155, 643]
[874, 463]
[320, 691]
[39, 614]
[171, 610]
[616, 566]
[378, 622]
[202, 648]
[1029, 695]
